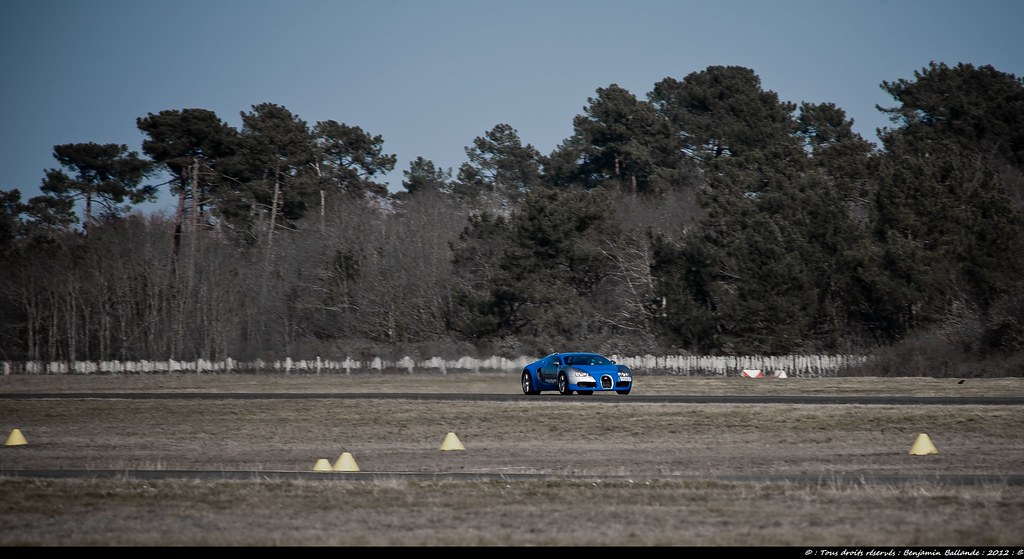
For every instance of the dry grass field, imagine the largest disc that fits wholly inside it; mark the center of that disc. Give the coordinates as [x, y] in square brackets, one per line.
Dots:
[677, 454]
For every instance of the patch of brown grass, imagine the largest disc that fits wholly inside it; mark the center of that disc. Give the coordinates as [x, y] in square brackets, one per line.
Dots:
[540, 435]
[513, 513]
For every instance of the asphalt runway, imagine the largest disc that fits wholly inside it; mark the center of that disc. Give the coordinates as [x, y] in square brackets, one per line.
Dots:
[597, 398]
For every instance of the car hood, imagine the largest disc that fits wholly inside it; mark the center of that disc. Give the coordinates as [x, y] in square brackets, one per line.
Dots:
[596, 369]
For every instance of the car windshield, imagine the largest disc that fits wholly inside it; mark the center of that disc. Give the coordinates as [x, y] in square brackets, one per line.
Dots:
[586, 359]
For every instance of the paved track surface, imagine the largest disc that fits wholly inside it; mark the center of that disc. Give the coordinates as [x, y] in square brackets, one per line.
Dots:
[592, 399]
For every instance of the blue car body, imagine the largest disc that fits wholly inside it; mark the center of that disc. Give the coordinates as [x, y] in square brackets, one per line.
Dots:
[580, 372]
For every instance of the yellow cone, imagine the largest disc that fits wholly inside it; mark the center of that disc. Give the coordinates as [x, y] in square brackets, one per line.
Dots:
[451, 442]
[346, 463]
[16, 438]
[923, 445]
[322, 465]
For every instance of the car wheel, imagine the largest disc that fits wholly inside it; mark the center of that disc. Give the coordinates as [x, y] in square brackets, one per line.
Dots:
[563, 385]
[623, 392]
[528, 384]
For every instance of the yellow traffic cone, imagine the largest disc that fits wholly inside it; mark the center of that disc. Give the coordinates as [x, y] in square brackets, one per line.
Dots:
[923, 445]
[346, 463]
[16, 438]
[451, 442]
[322, 465]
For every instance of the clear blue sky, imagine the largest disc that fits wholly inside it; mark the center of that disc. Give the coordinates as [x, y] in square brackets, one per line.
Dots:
[431, 75]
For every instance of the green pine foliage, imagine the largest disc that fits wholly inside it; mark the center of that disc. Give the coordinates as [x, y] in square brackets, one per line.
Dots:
[710, 217]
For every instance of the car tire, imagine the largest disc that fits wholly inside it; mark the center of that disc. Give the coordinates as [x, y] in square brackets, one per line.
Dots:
[623, 392]
[528, 388]
[563, 385]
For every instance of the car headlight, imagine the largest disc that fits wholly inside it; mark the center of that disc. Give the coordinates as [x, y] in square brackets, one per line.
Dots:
[580, 374]
[625, 376]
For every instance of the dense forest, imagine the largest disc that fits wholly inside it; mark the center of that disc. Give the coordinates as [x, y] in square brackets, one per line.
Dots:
[710, 218]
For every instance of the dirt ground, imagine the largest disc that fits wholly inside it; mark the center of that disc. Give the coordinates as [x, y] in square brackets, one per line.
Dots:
[532, 435]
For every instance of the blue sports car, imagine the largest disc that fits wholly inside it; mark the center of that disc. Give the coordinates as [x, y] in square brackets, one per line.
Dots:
[583, 373]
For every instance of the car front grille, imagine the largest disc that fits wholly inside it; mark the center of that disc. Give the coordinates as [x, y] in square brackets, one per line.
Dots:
[606, 382]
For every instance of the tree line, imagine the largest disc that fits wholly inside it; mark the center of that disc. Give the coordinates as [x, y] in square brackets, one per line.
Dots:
[709, 218]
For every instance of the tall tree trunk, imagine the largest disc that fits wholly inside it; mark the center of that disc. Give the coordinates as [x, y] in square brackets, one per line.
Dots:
[195, 199]
[69, 320]
[260, 323]
[179, 219]
[320, 175]
[33, 325]
[51, 342]
[273, 209]
[88, 212]
[193, 242]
